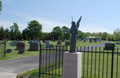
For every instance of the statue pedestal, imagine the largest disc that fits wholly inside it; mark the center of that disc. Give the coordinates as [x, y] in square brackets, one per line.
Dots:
[72, 65]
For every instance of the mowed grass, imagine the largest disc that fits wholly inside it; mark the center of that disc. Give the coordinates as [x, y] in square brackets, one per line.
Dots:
[2, 49]
[15, 54]
[94, 65]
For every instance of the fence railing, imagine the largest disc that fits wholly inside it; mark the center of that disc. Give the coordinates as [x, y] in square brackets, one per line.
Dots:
[96, 62]
[51, 59]
[2, 49]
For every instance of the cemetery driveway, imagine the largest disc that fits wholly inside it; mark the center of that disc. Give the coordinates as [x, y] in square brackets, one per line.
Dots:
[10, 68]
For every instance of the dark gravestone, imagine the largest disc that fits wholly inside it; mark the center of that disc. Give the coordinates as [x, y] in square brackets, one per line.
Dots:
[9, 51]
[117, 43]
[21, 51]
[67, 43]
[90, 39]
[80, 39]
[21, 45]
[63, 40]
[95, 40]
[109, 46]
[34, 47]
[59, 42]
[43, 41]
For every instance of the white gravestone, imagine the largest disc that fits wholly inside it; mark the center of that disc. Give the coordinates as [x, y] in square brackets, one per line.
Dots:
[72, 65]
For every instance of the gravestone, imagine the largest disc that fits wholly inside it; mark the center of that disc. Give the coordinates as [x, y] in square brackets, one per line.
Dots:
[39, 42]
[118, 43]
[34, 41]
[43, 41]
[47, 42]
[48, 45]
[80, 39]
[86, 39]
[21, 51]
[30, 41]
[21, 45]
[109, 46]
[90, 39]
[95, 40]
[59, 42]
[14, 43]
[67, 43]
[63, 40]
[34, 47]
[9, 51]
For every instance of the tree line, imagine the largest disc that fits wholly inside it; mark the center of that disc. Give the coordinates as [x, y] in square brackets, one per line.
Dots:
[34, 31]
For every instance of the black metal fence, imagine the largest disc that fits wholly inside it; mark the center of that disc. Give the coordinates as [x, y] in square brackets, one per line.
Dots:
[96, 62]
[2, 49]
[51, 59]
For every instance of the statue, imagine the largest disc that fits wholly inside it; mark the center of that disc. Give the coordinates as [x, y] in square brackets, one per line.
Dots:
[74, 32]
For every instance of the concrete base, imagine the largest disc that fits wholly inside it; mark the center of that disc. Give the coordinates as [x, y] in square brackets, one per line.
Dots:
[72, 63]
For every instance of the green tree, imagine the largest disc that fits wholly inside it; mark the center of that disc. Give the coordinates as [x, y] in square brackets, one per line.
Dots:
[2, 33]
[47, 36]
[66, 32]
[117, 34]
[15, 33]
[105, 35]
[0, 6]
[94, 34]
[8, 36]
[87, 34]
[81, 35]
[25, 34]
[57, 32]
[34, 29]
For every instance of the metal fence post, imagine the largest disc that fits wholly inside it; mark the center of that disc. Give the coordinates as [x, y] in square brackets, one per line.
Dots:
[5, 49]
[112, 63]
[40, 61]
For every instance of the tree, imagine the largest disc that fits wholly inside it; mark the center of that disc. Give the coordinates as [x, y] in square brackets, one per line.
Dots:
[117, 34]
[8, 36]
[57, 32]
[105, 35]
[2, 33]
[0, 5]
[81, 34]
[66, 32]
[15, 33]
[47, 36]
[25, 34]
[87, 34]
[34, 29]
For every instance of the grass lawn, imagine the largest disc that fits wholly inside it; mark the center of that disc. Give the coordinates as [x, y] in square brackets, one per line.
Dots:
[15, 54]
[94, 65]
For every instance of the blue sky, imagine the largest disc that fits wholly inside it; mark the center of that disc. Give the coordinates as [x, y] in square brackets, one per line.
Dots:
[97, 15]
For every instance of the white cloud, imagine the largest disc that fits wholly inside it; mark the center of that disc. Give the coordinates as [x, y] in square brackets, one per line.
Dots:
[93, 28]
[6, 1]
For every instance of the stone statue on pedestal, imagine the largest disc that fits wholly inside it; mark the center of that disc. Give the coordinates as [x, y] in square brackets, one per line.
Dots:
[74, 32]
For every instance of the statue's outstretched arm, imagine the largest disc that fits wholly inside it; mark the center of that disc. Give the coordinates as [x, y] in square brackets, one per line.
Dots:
[79, 22]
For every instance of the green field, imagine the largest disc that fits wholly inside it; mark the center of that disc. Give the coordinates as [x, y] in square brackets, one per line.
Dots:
[15, 54]
[2, 49]
[94, 65]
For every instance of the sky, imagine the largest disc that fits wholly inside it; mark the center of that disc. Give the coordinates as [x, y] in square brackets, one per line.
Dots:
[97, 15]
